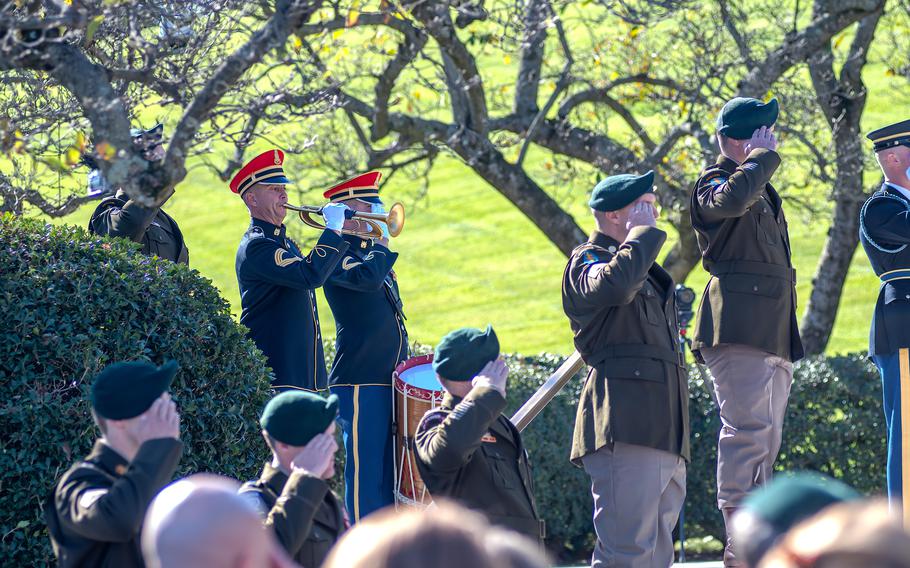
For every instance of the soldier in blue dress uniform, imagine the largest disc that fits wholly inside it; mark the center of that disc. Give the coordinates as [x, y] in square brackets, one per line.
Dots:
[277, 282]
[885, 235]
[371, 341]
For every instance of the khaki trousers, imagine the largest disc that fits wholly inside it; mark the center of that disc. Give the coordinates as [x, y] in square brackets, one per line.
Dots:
[638, 493]
[751, 389]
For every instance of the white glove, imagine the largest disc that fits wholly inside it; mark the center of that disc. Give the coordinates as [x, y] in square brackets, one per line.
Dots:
[380, 208]
[333, 213]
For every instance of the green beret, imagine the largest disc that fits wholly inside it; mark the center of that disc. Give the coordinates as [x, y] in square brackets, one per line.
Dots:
[741, 117]
[615, 192]
[125, 390]
[296, 417]
[462, 353]
[770, 512]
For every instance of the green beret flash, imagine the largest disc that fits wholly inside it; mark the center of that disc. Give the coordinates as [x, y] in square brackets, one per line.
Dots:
[296, 417]
[615, 192]
[741, 117]
[462, 353]
[127, 389]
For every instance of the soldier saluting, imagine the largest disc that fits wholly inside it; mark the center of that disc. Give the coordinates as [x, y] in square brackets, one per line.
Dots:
[292, 494]
[96, 513]
[885, 234]
[632, 426]
[745, 328]
[467, 442]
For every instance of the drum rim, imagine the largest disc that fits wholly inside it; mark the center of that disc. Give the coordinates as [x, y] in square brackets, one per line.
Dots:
[413, 362]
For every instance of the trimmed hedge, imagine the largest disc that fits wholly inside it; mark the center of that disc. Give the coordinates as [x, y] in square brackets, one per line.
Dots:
[71, 303]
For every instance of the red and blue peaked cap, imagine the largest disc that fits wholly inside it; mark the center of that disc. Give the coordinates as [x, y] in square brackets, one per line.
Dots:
[264, 168]
[364, 187]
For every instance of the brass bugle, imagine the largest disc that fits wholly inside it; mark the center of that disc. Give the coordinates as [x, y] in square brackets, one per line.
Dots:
[393, 219]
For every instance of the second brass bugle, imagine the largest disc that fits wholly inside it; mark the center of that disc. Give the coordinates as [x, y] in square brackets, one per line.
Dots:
[393, 219]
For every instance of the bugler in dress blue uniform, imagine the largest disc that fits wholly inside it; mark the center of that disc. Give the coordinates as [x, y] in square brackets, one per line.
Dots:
[885, 235]
[371, 341]
[277, 283]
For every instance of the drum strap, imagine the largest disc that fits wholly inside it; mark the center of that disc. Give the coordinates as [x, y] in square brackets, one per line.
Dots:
[391, 291]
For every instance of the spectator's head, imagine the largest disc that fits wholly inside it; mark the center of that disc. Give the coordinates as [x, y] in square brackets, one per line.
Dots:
[461, 354]
[261, 184]
[201, 521]
[892, 151]
[858, 534]
[122, 394]
[293, 418]
[444, 536]
[509, 549]
[770, 512]
[738, 120]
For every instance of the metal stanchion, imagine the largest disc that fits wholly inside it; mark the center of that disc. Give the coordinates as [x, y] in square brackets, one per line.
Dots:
[685, 298]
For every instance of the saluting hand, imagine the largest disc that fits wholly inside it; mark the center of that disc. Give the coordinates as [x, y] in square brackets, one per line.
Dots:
[761, 138]
[161, 420]
[318, 457]
[642, 214]
[493, 375]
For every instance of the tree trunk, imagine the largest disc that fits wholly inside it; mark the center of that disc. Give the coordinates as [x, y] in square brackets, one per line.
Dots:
[513, 183]
[685, 255]
[842, 100]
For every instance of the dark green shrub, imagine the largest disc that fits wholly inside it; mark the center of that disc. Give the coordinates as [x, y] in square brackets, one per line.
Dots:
[71, 303]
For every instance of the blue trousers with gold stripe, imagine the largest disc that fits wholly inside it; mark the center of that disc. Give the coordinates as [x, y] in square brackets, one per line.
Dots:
[895, 371]
[365, 417]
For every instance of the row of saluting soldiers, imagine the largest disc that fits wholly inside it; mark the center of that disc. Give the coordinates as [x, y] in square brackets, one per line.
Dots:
[631, 432]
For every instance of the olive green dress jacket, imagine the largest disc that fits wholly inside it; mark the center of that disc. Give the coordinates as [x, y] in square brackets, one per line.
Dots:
[739, 220]
[304, 514]
[469, 452]
[96, 513]
[622, 309]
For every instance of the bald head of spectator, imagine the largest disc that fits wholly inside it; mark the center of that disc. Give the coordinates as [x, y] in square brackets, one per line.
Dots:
[201, 521]
[445, 536]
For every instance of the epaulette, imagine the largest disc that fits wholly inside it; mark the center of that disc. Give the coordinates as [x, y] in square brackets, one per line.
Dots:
[255, 232]
[432, 419]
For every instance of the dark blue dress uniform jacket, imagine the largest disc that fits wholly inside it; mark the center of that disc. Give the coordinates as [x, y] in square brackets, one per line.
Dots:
[371, 336]
[277, 295]
[885, 235]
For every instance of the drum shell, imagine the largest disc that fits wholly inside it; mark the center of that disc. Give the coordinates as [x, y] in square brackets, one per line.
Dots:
[410, 404]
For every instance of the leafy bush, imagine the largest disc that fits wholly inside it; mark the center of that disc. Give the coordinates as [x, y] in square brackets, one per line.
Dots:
[71, 303]
[834, 425]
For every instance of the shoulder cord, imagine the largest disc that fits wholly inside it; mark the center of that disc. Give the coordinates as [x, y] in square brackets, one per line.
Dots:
[862, 224]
